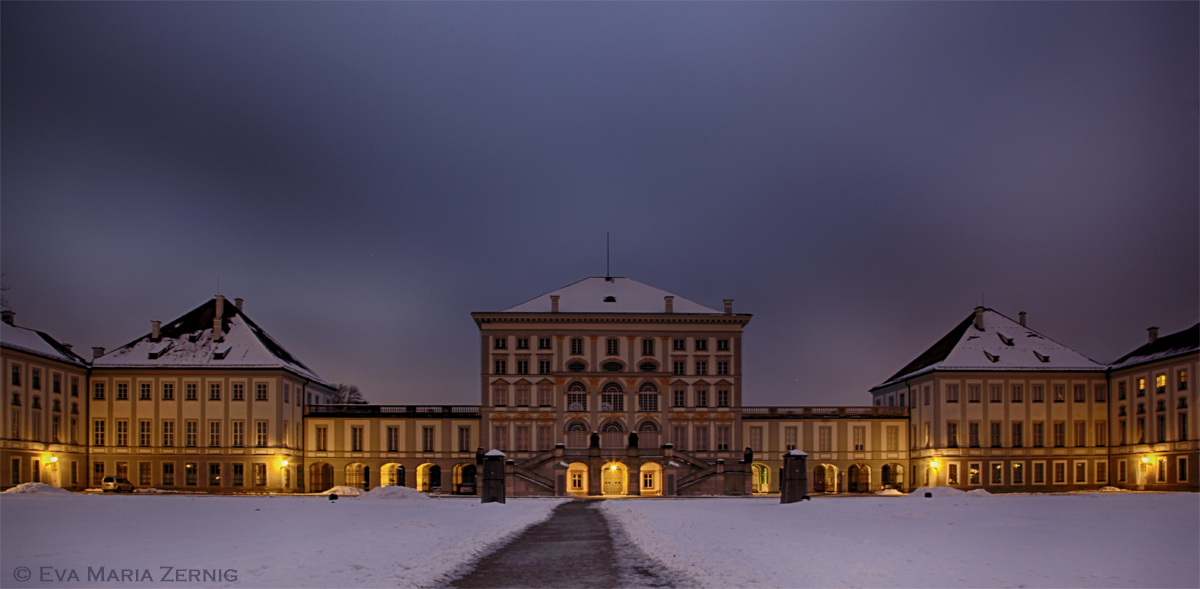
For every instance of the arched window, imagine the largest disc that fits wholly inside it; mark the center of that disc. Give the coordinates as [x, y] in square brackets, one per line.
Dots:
[648, 387]
[611, 427]
[612, 387]
[576, 426]
[648, 426]
[577, 435]
[612, 399]
[576, 387]
[612, 435]
[576, 397]
[648, 434]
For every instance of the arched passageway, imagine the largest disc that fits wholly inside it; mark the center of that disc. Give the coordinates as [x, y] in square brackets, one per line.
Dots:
[320, 477]
[614, 479]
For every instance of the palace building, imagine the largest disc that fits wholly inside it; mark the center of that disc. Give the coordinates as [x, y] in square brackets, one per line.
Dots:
[605, 387]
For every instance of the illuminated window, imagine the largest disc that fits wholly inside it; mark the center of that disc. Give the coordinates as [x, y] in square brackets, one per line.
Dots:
[1160, 384]
[1141, 387]
[1183, 383]
[1018, 473]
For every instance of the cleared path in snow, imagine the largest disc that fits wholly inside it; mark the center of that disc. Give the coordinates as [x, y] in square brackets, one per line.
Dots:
[576, 547]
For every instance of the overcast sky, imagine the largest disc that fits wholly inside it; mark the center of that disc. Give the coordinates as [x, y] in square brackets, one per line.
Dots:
[856, 175]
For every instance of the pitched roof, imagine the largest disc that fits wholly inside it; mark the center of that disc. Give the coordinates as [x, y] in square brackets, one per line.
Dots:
[609, 295]
[1176, 344]
[188, 342]
[1002, 344]
[37, 343]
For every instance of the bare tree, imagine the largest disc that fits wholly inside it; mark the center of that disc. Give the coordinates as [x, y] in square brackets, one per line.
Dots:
[3, 296]
[348, 394]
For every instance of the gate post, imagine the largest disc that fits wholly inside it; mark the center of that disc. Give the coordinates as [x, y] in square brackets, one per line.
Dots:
[793, 486]
[493, 477]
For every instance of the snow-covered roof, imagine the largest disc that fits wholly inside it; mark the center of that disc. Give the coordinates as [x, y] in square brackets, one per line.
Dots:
[188, 342]
[1002, 344]
[1170, 346]
[609, 295]
[37, 343]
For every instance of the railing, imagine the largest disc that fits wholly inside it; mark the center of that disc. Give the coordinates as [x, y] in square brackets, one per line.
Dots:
[824, 412]
[393, 410]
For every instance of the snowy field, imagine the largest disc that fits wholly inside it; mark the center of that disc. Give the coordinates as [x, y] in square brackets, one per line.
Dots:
[270, 542]
[1105, 540]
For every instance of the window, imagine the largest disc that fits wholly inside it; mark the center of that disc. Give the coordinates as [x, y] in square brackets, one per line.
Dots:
[756, 439]
[500, 343]
[701, 397]
[500, 437]
[168, 391]
[35, 431]
[701, 344]
[1080, 393]
[545, 394]
[1160, 384]
[97, 390]
[951, 393]
[143, 391]
[1141, 387]
[824, 439]
[1101, 434]
[722, 345]
[260, 434]
[75, 387]
[144, 433]
[1080, 472]
[679, 345]
[860, 439]
[677, 367]
[260, 475]
[98, 432]
[239, 475]
[1101, 471]
[214, 392]
[214, 474]
[522, 434]
[1060, 434]
[168, 474]
[543, 367]
[1060, 473]
[973, 393]
[995, 434]
[576, 345]
[1039, 393]
[1183, 426]
[576, 401]
[928, 437]
[500, 367]
[545, 438]
[122, 391]
[973, 434]
[974, 473]
[35, 379]
[523, 394]
[427, 438]
[168, 433]
[260, 391]
[239, 392]
[679, 398]
[522, 366]
[97, 473]
[16, 375]
[612, 366]
[1121, 430]
[1141, 430]
[893, 439]
[1039, 473]
[901, 403]
[701, 367]
[500, 394]
[1018, 395]
[54, 427]
[191, 432]
[790, 438]
[952, 474]
[190, 391]
[1121, 391]
[1060, 393]
[1181, 472]
[647, 401]
[723, 437]
[1162, 470]
[238, 434]
[648, 347]
[701, 439]
[522, 343]
[543, 343]
[722, 397]
[1182, 385]
[576, 366]
[952, 434]
[611, 346]
[1038, 434]
[1080, 434]
[322, 438]
[996, 393]
[723, 367]
[1101, 393]
[356, 439]
[190, 474]
[1161, 428]
[464, 439]
[612, 399]
[1018, 473]
[577, 481]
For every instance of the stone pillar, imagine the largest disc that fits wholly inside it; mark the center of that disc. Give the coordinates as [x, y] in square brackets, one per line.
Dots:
[793, 486]
[493, 477]
[633, 472]
[670, 475]
[510, 477]
[560, 476]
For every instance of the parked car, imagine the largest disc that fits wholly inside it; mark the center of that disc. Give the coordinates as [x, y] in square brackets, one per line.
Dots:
[116, 484]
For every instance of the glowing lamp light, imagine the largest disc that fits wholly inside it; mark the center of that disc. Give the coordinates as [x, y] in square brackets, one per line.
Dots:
[933, 463]
[53, 459]
[1145, 459]
[284, 463]
[613, 467]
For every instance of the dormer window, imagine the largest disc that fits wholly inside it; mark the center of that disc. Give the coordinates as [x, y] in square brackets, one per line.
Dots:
[994, 358]
[610, 299]
[221, 352]
[193, 337]
[1007, 341]
[1041, 357]
[159, 349]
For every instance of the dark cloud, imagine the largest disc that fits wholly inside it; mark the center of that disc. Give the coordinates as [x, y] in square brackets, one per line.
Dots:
[366, 174]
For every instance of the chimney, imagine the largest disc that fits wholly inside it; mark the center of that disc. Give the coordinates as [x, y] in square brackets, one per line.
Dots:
[217, 335]
[97, 352]
[979, 318]
[220, 305]
[729, 306]
[8, 316]
[670, 300]
[154, 330]
[1153, 333]
[237, 303]
[553, 303]
[1022, 316]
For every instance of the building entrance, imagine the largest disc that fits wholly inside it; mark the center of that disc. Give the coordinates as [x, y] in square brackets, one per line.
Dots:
[612, 480]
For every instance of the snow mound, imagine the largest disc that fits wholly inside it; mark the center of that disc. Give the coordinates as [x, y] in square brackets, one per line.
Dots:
[888, 492]
[1110, 489]
[38, 489]
[343, 491]
[149, 491]
[979, 493]
[937, 492]
[393, 492]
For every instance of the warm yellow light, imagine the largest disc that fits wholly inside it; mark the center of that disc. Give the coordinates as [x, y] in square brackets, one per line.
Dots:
[614, 467]
[53, 459]
[933, 463]
[284, 463]
[1145, 459]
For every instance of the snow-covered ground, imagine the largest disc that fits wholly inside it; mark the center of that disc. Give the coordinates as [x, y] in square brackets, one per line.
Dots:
[397, 541]
[1103, 540]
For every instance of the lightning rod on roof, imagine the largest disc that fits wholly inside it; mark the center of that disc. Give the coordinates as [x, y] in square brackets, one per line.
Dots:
[607, 258]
